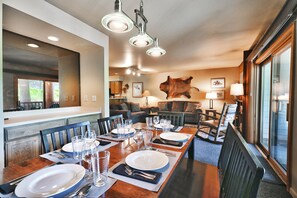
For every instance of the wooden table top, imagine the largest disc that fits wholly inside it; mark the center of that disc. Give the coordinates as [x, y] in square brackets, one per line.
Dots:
[117, 153]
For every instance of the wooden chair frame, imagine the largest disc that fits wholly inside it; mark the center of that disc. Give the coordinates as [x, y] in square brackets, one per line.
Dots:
[59, 136]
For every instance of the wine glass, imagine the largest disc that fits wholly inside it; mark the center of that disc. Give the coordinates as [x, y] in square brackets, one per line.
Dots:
[156, 120]
[90, 137]
[138, 138]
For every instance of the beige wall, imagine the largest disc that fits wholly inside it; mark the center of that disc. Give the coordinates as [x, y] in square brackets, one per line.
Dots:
[92, 75]
[69, 80]
[201, 80]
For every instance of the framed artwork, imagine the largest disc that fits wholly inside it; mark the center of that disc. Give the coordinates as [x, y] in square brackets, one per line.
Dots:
[220, 94]
[137, 89]
[217, 83]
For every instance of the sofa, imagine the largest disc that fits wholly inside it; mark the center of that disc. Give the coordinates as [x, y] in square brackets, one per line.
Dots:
[189, 108]
[129, 110]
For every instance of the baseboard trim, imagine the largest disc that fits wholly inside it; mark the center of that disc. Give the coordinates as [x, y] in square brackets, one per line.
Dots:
[293, 192]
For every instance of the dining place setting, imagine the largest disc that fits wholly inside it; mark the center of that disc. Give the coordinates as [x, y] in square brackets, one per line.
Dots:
[82, 167]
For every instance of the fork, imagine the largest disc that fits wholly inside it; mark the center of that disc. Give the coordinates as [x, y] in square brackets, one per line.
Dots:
[128, 169]
[139, 174]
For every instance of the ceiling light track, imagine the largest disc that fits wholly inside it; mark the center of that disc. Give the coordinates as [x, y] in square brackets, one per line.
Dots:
[120, 22]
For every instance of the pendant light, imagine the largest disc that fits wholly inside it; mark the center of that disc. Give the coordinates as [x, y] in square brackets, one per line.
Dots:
[156, 51]
[117, 21]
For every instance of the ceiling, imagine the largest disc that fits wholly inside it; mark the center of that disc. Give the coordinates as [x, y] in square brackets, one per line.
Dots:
[197, 34]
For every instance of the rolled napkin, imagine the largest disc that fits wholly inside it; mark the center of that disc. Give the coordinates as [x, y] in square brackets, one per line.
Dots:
[167, 142]
[7, 188]
[121, 171]
[176, 129]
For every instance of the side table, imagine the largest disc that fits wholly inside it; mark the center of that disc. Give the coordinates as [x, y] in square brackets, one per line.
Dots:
[210, 112]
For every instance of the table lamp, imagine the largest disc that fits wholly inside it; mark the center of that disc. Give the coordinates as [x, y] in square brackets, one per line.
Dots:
[236, 90]
[146, 94]
[211, 96]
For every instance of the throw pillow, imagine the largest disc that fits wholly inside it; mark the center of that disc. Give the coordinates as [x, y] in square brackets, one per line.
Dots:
[191, 107]
[124, 106]
[135, 107]
[163, 106]
[178, 106]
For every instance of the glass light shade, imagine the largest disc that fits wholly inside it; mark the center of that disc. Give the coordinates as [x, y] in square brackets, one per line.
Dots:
[128, 71]
[236, 89]
[211, 95]
[117, 22]
[141, 40]
[155, 52]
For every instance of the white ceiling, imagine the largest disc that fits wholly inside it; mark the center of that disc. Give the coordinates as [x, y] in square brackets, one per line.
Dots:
[197, 34]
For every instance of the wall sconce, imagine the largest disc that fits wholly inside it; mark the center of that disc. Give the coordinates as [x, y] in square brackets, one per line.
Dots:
[211, 96]
[146, 94]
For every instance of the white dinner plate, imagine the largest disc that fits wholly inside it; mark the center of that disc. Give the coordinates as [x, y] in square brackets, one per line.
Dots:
[174, 136]
[68, 147]
[147, 160]
[160, 127]
[50, 181]
[115, 131]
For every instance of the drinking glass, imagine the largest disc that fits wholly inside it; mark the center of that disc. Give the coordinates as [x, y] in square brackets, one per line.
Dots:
[100, 162]
[167, 126]
[77, 146]
[120, 130]
[147, 139]
[128, 125]
[138, 138]
[88, 150]
[149, 122]
[156, 120]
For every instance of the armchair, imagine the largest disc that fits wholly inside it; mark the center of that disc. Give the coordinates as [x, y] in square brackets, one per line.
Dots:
[214, 129]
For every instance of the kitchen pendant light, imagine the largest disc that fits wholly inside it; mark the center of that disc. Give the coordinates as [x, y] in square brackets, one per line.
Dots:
[117, 21]
[156, 51]
[120, 22]
[142, 39]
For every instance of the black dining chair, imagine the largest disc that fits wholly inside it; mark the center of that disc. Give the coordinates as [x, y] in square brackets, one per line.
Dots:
[109, 123]
[177, 118]
[57, 137]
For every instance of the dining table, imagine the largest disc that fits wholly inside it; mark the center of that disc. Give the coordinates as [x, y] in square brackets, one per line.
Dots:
[118, 153]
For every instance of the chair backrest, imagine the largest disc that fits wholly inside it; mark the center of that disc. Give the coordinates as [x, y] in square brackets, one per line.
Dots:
[55, 138]
[109, 123]
[243, 170]
[225, 152]
[177, 118]
[229, 114]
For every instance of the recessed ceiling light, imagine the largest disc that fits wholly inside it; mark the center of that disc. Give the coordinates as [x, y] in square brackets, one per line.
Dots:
[53, 38]
[33, 45]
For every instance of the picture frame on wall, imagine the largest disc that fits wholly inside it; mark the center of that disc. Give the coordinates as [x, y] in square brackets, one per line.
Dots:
[216, 83]
[137, 88]
[220, 94]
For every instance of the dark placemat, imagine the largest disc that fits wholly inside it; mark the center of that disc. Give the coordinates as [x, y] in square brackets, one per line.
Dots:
[121, 171]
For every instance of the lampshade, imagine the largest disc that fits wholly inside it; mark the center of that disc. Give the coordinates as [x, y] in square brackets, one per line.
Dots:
[211, 95]
[236, 89]
[156, 51]
[146, 93]
[117, 21]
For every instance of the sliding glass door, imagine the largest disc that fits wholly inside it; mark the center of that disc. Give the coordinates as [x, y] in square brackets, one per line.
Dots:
[265, 105]
[274, 103]
[279, 107]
